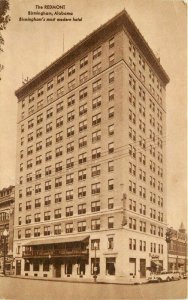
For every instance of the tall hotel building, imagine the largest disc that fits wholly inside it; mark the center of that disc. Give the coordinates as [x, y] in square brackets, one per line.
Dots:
[91, 160]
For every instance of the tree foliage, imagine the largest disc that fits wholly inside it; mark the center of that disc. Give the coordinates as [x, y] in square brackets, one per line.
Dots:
[4, 19]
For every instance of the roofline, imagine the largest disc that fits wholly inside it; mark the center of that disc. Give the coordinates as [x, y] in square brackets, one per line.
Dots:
[120, 19]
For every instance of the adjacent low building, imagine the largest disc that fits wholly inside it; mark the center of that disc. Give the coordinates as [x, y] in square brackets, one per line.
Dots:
[177, 250]
[91, 198]
[7, 199]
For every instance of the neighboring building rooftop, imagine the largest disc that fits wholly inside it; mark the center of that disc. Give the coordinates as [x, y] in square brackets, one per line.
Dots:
[121, 20]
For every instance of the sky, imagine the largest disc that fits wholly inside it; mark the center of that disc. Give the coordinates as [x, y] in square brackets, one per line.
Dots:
[32, 46]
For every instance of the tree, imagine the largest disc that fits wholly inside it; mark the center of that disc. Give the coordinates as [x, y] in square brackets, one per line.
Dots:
[4, 19]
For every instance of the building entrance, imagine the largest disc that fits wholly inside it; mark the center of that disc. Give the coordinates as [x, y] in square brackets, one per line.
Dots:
[142, 268]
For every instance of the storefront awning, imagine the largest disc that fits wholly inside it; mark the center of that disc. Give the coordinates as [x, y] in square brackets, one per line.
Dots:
[59, 240]
[157, 263]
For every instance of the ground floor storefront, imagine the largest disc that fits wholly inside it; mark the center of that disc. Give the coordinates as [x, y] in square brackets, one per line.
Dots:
[177, 263]
[102, 255]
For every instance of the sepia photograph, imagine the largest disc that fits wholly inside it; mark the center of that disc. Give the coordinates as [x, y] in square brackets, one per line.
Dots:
[93, 149]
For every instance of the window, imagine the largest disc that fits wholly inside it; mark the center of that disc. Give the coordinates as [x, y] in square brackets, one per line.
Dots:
[60, 91]
[96, 153]
[60, 78]
[70, 178]
[57, 213]
[82, 175]
[111, 59]
[81, 209]
[83, 77]
[96, 119]
[83, 142]
[40, 104]
[95, 244]
[142, 226]
[111, 166]
[39, 132]
[30, 137]
[83, 62]
[111, 222]
[82, 192]
[28, 219]
[46, 230]
[132, 169]
[95, 224]
[48, 156]
[71, 70]
[132, 205]
[132, 134]
[95, 206]
[28, 205]
[48, 185]
[57, 229]
[50, 98]
[83, 93]
[95, 170]
[31, 110]
[96, 136]
[36, 232]
[59, 107]
[110, 203]
[110, 148]
[97, 85]
[48, 142]
[82, 125]
[70, 147]
[97, 68]
[58, 198]
[82, 158]
[58, 182]
[69, 228]
[81, 226]
[110, 243]
[71, 100]
[27, 233]
[132, 223]
[30, 125]
[97, 52]
[111, 77]
[96, 102]
[69, 211]
[49, 127]
[47, 215]
[70, 116]
[132, 82]
[110, 184]
[70, 131]
[50, 85]
[59, 151]
[71, 84]
[37, 188]
[69, 195]
[111, 95]
[95, 188]
[111, 129]
[132, 244]
[70, 162]
[59, 122]
[28, 191]
[132, 186]
[37, 203]
[58, 167]
[83, 109]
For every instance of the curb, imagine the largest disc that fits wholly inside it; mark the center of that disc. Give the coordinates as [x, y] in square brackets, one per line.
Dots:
[75, 281]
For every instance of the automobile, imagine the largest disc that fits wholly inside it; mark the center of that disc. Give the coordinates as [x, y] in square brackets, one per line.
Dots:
[176, 276]
[185, 275]
[163, 276]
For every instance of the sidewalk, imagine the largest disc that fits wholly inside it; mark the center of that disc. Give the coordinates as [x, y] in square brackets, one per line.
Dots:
[120, 281]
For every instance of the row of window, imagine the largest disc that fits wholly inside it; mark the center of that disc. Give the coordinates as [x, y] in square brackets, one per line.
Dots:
[142, 227]
[142, 246]
[81, 226]
[95, 188]
[96, 86]
[142, 65]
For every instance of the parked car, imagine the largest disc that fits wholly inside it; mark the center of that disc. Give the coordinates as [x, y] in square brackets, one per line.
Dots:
[176, 276]
[163, 276]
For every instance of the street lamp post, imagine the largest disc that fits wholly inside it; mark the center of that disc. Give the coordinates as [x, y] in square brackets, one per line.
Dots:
[5, 234]
[95, 266]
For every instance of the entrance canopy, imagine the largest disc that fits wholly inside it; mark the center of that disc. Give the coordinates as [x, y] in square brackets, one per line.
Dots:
[58, 240]
[157, 263]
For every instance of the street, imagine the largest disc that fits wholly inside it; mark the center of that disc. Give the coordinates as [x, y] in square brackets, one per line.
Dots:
[26, 289]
